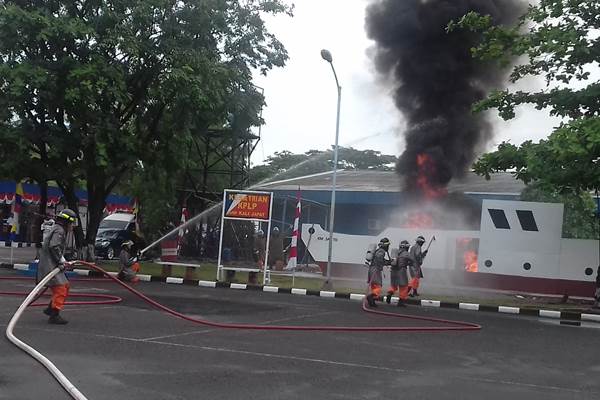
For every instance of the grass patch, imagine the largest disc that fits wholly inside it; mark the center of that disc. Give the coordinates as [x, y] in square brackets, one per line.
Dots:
[208, 272]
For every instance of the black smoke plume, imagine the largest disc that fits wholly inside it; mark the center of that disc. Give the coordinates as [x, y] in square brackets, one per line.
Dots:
[435, 82]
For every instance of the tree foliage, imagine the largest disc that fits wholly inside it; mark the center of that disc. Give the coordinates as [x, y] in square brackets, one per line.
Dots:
[285, 164]
[566, 161]
[557, 40]
[89, 89]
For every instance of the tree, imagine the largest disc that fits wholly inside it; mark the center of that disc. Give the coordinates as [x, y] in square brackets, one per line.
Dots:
[564, 162]
[560, 169]
[91, 89]
[555, 39]
[285, 164]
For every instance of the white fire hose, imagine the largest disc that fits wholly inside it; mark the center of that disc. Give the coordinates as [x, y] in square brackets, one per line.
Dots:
[62, 379]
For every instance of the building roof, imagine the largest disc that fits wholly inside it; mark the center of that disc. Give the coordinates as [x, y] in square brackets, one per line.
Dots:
[389, 181]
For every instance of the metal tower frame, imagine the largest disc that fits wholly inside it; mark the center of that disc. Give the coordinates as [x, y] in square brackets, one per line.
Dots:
[221, 152]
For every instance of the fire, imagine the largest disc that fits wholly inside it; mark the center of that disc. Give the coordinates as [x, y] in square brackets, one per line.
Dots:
[418, 219]
[426, 168]
[470, 258]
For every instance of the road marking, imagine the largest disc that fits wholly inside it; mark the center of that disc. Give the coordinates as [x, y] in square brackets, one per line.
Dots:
[317, 361]
[176, 335]
[217, 329]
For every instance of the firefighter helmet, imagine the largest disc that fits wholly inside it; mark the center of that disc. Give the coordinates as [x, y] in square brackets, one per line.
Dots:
[385, 243]
[67, 215]
[404, 245]
[420, 240]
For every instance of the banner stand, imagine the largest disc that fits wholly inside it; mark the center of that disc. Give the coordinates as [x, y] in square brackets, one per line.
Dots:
[245, 205]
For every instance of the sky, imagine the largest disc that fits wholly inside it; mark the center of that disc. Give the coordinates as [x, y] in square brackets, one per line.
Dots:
[301, 97]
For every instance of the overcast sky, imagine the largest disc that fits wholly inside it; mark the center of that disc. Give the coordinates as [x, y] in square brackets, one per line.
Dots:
[301, 97]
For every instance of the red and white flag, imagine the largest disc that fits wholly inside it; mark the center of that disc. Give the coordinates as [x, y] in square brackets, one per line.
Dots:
[293, 258]
[184, 218]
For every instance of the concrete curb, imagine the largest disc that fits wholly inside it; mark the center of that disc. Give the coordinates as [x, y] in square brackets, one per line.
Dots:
[16, 244]
[570, 318]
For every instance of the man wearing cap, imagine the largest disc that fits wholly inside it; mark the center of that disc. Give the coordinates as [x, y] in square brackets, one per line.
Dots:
[51, 257]
[375, 278]
[417, 255]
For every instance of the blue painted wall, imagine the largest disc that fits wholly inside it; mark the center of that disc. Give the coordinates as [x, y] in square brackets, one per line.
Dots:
[353, 209]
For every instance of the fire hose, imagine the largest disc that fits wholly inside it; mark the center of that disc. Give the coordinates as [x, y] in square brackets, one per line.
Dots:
[59, 376]
[453, 325]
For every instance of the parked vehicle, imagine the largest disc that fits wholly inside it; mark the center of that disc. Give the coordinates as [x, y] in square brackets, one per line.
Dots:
[112, 232]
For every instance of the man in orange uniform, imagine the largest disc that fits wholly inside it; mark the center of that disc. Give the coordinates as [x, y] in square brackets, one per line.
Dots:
[51, 257]
[129, 263]
[417, 256]
[375, 278]
[399, 275]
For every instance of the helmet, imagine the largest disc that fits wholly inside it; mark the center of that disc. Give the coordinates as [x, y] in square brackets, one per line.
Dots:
[276, 230]
[67, 215]
[127, 243]
[420, 239]
[404, 244]
[385, 242]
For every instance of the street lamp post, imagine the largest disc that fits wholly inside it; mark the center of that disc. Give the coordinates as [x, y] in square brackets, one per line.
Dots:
[326, 55]
[597, 162]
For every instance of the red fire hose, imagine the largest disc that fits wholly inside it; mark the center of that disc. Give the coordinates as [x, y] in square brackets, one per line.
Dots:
[107, 299]
[454, 325]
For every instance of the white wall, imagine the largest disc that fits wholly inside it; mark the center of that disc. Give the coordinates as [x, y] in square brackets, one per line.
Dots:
[550, 256]
[576, 255]
[351, 249]
[509, 249]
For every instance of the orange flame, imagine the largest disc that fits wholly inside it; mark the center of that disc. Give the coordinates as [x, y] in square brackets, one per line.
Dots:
[426, 167]
[470, 258]
[419, 220]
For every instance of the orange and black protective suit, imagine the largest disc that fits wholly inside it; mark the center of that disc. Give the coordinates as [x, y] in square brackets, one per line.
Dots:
[129, 266]
[399, 277]
[52, 256]
[417, 255]
[375, 277]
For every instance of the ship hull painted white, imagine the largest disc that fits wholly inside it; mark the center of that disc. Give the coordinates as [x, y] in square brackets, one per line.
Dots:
[518, 257]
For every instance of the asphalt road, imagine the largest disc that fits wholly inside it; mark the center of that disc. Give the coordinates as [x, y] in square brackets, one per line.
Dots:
[130, 351]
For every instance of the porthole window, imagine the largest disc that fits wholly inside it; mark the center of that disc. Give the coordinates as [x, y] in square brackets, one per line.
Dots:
[488, 263]
[589, 271]
[527, 266]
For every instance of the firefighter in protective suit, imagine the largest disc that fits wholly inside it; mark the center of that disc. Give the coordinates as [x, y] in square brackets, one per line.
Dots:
[129, 263]
[399, 275]
[51, 257]
[417, 255]
[381, 258]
